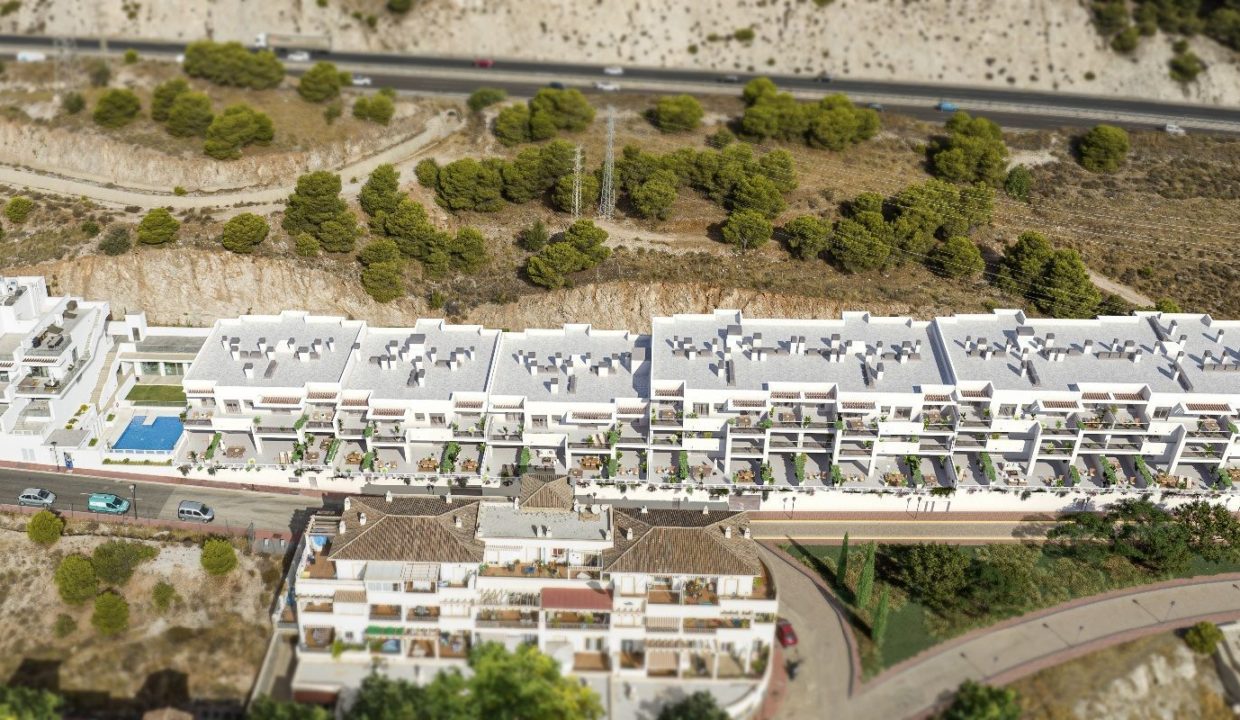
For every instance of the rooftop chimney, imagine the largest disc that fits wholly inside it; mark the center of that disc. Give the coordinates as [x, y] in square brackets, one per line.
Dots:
[645, 510]
[727, 532]
[331, 344]
[628, 532]
[248, 370]
[456, 522]
[745, 533]
[388, 496]
[448, 498]
[361, 519]
[348, 502]
[342, 529]
[546, 531]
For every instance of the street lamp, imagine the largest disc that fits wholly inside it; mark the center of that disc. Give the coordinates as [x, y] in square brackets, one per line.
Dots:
[133, 496]
[56, 455]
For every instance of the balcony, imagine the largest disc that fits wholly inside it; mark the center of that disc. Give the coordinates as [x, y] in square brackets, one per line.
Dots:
[578, 621]
[662, 625]
[542, 570]
[507, 619]
[385, 612]
[632, 660]
[422, 613]
[318, 607]
[591, 662]
[455, 646]
[318, 638]
[712, 625]
[693, 593]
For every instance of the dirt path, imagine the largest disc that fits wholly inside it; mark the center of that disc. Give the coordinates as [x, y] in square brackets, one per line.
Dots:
[403, 155]
[1106, 284]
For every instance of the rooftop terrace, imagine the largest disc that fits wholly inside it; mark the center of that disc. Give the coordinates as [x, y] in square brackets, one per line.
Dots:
[286, 350]
[576, 363]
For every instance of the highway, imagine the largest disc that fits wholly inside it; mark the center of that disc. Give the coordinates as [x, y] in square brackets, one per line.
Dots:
[1009, 107]
[233, 508]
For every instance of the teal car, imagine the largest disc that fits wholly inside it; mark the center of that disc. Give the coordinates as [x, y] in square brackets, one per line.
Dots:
[107, 503]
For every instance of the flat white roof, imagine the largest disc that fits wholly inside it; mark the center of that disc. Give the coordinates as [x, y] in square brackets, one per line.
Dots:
[286, 350]
[430, 361]
[501, 521]
[576, 363]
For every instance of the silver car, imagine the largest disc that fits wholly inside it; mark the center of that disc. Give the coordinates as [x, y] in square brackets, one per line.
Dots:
[194, 511]
[36, 497]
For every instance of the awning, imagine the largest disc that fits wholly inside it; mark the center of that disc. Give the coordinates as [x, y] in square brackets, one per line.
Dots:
[576, 599]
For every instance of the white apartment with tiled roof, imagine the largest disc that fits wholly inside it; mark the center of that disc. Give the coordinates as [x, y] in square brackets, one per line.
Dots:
[629, 600]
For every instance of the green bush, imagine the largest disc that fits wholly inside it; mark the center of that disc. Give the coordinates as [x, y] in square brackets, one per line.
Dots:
[1126, 41]
[655, 197]
[427, 173]
[17, 209]
[399, 6]
[384, 281]
[243, 233]
[744, 34]
[233, 64]
[322, 82]
[807, 236]
[116, 241]
[548, 112]
[1203, 638]
[381, 193]
[218, 556]
[1018, 183]
[304, 245]
[315, 207]
[676, 113]
[534, 237]
[190, 115]
[75, 579]
[833, 123]
[975, 701]
[116, 108]
[164, 95]
[957, 257]
[1185, 67]
[1103, 149]
[163, 594]
[111, 615]
[580, 247]
[73, 103]
[45, 527]
[115, 561]
[235, 128]
[747, 230]
[468, 184]
[158, 227]
[131, 56]
[89, 228]
[376, 108]
[99, 72]
[64, 626]
[974, 151]
[485, 97]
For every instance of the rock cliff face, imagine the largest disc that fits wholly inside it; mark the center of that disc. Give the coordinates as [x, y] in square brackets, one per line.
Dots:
[195, 287]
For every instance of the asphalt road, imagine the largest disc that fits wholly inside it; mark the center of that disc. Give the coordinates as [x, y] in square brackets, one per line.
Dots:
[233, 508]
[1030, 108]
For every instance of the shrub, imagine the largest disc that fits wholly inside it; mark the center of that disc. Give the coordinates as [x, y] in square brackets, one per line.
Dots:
[376, 108]
[131, 56]
[244, 232]
[975, 701]
[676, 113]
[384, 281]
[158, 227]
[654, 198]
[316, 207]
[974, 151]
[233, 64]
[162, 595]
[75, 579]
[1203, 637]
[1185, 67]
[304, 245]
[190, 115]
[111, 615]
[333, 111]
[548, 112]
[807, 236]
[534, 237]
[747, 230]
[235, 128]
[833, 123]
[381, 193]
[322, 82]
[958, 257]
[17, 209]
[468, 184]
[115, 561]
[744, 34]
[164, 95]
[73, 103]
[399, 6]
[64, 626]
[116, 108]
[218, 556]
[99, 72]
[1018, 183]
[485, 97]
[580, 247]
[512, 125]
[116, 241]
[1103, 149]
[427, 173]
[89, 228]
[45, 527]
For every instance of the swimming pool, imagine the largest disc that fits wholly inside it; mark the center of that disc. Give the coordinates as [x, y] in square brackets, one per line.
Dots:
[158, 433]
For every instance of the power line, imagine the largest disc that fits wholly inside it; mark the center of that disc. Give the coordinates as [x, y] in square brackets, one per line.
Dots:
[577, 183]
[607, 194]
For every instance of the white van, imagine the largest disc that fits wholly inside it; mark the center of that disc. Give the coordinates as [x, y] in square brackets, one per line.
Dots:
[27, 56]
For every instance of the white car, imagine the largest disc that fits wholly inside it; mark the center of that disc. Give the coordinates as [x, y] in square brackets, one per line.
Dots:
[613, 70]
[298, 56]
[360, 80]
[36, 497]
[607, 86]
[1174, 129]
[180, 58]
[27, 56]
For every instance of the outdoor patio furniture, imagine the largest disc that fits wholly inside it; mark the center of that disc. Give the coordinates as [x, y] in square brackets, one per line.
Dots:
[312, 456]
[235, 452]
[428, 465]
[353, 457]
[418, 651]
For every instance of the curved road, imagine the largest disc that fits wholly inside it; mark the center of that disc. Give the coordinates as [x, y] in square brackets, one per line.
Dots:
[1012, 107]
[998, 654]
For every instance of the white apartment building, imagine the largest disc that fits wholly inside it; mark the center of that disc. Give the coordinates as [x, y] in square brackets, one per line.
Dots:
[639, 599]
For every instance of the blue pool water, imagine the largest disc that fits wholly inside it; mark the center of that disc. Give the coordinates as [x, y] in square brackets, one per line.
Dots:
[161, 434]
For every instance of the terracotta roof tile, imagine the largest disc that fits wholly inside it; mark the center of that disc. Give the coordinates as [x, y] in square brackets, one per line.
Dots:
[408, 529]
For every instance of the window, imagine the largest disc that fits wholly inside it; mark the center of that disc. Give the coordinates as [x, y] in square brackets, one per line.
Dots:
[437, 419]
[903, 413]
[701, 409]
[539, 421]
[150, 368]
[1162, 413]
[1007, 411]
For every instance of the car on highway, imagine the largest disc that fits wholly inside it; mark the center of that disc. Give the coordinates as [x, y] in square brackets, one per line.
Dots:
[484, 63]
[195, 511]
[607, 86]
[27, 56]
[1174, 129]
[945, 106]
[730, 79]
[613, 70]
[36, 497]
[298, 56]
[107, 503]
[556, 85]
[824, 78]
[784, 633]
[877, 107]
[362, 81]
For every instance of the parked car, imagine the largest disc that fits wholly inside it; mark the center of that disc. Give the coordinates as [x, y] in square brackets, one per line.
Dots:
[784, 633]
[195, 511]
[945, 106]
[107, 503]
[298, 56]
[484, 63]
[732, 79]
[877, 107]
[36, 497]
[1174, 129]
[824, 78]
[613, 70]
[556, 85]
[361, 80]
[607, 86]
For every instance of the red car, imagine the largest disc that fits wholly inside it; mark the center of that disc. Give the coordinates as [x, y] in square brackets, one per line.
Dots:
[484, 63]
[785, 634]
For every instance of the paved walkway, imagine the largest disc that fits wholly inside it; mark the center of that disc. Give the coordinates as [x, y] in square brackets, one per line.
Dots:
[997, 654]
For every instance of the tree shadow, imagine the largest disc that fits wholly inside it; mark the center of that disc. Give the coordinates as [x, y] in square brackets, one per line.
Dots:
[161, 689]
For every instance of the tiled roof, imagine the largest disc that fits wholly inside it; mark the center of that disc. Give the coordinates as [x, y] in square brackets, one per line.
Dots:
[682, 542]
[408, 529]
[546, 495]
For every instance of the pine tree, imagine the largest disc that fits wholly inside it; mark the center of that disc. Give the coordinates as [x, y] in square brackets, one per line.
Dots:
[865, 586]
[878, 628]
